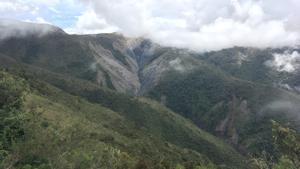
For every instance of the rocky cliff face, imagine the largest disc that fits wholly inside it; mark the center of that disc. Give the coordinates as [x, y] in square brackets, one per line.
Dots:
[238, 111]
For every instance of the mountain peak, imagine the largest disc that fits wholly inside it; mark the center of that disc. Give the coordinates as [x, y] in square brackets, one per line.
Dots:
[13, 28]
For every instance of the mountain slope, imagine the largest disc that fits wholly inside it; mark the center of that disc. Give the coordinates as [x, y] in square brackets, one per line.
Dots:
[229, 107]
[60, 123]
[232, 94]
[126, 65]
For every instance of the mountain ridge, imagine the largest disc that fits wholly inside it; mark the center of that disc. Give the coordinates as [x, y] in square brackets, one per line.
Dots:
[188, 99]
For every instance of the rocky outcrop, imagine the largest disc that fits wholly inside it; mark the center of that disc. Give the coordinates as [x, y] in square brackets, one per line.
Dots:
[227, 127]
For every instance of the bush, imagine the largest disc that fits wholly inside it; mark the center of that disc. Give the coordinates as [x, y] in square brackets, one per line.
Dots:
[287, 142]
[13, 92]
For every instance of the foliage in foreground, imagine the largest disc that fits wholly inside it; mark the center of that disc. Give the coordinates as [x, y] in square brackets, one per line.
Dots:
[287, 144]
[12, 91]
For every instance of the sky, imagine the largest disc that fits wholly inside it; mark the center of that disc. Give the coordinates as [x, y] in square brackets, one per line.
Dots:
[195, 24]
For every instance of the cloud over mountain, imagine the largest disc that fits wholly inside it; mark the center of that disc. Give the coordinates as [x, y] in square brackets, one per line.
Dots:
[204, 24]
[196, 24]
[285, 62]
[12, 28]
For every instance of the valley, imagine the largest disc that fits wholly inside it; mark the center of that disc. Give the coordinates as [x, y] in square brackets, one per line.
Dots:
[109, 101]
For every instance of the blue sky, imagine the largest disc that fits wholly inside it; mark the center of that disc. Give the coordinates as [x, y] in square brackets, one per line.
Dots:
[195, 24]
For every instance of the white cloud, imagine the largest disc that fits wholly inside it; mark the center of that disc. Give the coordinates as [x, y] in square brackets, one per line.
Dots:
[42, 2]
[61, 12]
[54, 10]
[7, 6]
[195, 24]
[41, 20]
[285, 62]
[90, 23]
[177, 65]
[204, 24]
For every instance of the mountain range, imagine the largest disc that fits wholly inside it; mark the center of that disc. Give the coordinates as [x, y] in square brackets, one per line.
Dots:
[110, 101]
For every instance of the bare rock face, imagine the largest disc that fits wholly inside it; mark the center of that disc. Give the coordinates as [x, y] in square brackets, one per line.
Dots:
[227, 127]
[134, 65]
[122, 77]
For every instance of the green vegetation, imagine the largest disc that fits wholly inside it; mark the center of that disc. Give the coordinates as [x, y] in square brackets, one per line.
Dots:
[48, 128]
[287, 144]
[59, 108]
[243, 63]
[107, 43]
[224, 105]
[12, 119]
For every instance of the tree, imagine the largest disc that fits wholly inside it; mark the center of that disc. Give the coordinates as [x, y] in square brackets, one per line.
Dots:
[287, 143]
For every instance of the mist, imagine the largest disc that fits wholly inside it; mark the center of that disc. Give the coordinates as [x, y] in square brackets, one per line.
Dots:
[283, 108]
[13, 28]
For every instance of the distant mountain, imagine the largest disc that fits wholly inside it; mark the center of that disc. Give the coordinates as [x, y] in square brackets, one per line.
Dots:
[175, 99]
[110, 60]
[13, 28]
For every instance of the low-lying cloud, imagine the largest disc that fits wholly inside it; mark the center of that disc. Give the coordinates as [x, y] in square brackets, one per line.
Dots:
[200, 24]
[12, 28]
[285, 62]
[286, 108]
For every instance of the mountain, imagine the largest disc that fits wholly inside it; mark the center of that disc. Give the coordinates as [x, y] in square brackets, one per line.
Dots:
[79, 131]
[109, 60]
[13, 28]
[131, 103]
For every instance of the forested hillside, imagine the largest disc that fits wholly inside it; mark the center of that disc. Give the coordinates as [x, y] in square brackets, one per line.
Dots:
[112, 102]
